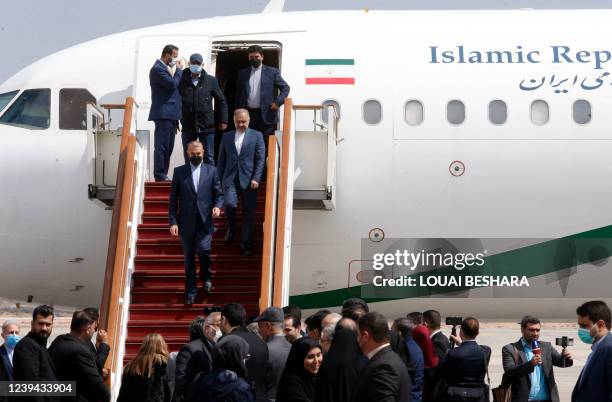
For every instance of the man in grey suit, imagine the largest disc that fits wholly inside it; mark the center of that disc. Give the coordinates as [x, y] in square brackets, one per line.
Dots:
[271, 323]
[531, 375]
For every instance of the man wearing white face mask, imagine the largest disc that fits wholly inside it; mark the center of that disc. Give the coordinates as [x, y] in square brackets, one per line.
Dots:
[10, 334]
[198, 119]
[595, 380]
[213, 327]
[165, 107]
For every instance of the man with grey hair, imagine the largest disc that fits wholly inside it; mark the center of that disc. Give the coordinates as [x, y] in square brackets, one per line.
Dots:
[193, 358]
[327, 336]
[10, 334]
[330, 320]
[213, 327]
[270, 324]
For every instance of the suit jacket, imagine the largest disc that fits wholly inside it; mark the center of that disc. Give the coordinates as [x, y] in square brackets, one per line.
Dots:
[6, 367]
[465, 364]
[193, 358]
[517, 372]
[257, 364]
[101, 354]
[165, 96]
[383, 379]
[32, 362]
[441, 344]
[74, 361]
[197, 104]
[186, 204]
[278, 351]
[248, 165]
[595, 380]
[271, 82]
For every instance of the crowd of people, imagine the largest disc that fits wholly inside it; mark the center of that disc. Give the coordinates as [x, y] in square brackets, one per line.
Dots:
[206, 183]
[354, 356]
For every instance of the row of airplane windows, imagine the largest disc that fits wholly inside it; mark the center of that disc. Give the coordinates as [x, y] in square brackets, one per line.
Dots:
[455, 112]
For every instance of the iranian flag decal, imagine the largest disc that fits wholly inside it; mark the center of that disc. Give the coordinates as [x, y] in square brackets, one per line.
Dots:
[330, 71]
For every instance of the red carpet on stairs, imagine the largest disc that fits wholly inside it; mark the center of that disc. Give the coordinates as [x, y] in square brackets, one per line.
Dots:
[158, 294]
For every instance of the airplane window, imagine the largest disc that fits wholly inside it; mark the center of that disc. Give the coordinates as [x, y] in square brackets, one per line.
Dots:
[327, 103]
[6, 97]
[413, 112]
[30, 110]
[539, 112]
[73, 108]
[582, 111]
[498, 112]
[372, 111]
[455, 112]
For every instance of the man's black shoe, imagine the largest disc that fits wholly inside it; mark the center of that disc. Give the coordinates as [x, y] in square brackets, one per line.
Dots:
[208, 286]
[229, 236]
[190, 299]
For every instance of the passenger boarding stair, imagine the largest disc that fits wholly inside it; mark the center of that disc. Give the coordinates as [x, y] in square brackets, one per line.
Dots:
[144, 280]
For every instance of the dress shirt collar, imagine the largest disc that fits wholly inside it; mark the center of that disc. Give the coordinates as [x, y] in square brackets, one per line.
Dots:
[434, 333]
[254, 70]
[195, 167]
[378, 349]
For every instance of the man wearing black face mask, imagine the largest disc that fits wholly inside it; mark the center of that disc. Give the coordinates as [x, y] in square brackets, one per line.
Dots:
[261, 90]
[195, 199]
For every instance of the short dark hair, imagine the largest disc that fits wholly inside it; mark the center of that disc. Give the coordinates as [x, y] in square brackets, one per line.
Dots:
[235, 314]
[376, 324]
[405, 326]
[168, 49]
[293, 312]
[80, 321]
[93, 313]
[529, 319]
[315, 321]
[354, 310]
[416, 317]
[43, 311]
[470, 327]
[355, 302]
[255, 49]
[596, 310]
[196, 328]
[432, 318]
[347, 323]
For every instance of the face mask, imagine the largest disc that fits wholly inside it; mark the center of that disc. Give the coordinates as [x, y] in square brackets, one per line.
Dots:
[255, 63]
[195, 159]
[585, 335]
[173, 61]
[218, 335]
[12, 340]
[195, 68]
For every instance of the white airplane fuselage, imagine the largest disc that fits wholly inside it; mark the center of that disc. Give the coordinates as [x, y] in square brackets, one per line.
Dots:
[521, 179]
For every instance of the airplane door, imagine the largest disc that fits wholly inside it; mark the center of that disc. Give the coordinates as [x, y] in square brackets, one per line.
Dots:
[148, 50]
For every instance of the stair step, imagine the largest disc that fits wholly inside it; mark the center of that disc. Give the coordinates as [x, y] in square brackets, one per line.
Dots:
[164, 280]
[132, 344]
[161, 217]
[171, 246]
[219, 296]
[161, 230]
[175, 312]
[163, 188]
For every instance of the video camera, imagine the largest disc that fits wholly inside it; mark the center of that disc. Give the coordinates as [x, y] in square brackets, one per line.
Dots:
[454, 321]
[564, 342]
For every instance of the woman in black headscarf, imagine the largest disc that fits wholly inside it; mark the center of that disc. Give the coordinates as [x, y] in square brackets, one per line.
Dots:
[227, 380]
[340, 369]
[298, 383]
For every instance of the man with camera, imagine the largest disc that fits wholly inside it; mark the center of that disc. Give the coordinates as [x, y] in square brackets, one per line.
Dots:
[528, 364]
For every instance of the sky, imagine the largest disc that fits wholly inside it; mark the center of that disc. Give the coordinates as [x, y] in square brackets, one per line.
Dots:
[37, 28]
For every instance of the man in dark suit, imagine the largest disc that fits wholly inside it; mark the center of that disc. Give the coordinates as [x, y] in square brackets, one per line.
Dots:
[270, 325]
[10, 334]
[595, 380]
[241, 164]
[193, 358]
[198, 90]
[31, 360]
[100, 348]
[464, 367]
[433, 321]
[233, 320]
[532, 376]
[195, 199]
[74, 360]
[257, 90]
[385, 376]
[164, 77]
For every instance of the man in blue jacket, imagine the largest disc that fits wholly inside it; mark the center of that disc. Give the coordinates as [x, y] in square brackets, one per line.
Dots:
[261, 90]
[241, 164]
[195, 199]
[165, 107]
[595, 380]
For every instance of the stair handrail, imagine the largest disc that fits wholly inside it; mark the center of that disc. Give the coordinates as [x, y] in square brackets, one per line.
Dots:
[285, 188]
[269, 234]
[113, 295]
